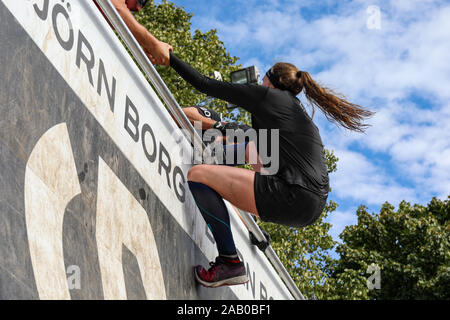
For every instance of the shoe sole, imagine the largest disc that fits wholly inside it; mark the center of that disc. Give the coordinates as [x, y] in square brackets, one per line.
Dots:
[227, 282]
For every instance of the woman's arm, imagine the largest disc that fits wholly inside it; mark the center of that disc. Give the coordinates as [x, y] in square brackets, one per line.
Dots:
[243, 95]
[157, 51]
[193, 115]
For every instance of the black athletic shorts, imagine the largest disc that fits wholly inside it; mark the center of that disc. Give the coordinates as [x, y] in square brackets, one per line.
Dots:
[286, 204]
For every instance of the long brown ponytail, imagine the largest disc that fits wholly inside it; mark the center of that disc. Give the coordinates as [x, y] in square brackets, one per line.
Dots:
[335, 107]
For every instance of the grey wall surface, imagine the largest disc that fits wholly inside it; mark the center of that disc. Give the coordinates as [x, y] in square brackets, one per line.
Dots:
[33, 99]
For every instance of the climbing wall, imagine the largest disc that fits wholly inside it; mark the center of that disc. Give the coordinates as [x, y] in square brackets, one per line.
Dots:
[93, 196]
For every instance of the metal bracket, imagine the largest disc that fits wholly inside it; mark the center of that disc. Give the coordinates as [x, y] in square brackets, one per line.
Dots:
[262, 245]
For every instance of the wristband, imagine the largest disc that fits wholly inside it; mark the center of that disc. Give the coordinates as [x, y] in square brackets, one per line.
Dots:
[218, 125]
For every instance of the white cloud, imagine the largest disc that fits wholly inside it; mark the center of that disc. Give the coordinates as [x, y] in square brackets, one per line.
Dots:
[359, 179]
[406, 152]
[415, 146]
[339, 220]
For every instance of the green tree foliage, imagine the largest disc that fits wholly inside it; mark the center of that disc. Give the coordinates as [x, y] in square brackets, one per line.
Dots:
[411, 246]
[203, 50]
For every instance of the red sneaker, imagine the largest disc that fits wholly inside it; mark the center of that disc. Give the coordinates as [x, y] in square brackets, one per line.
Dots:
[221, 273]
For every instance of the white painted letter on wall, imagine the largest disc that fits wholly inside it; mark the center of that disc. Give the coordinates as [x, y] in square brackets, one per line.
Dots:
[51, 182]
[122, 220]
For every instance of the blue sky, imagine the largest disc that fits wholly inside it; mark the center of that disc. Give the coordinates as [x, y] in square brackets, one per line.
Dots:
[391, 56]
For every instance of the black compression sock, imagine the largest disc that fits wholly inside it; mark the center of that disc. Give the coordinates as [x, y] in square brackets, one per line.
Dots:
[215, 213]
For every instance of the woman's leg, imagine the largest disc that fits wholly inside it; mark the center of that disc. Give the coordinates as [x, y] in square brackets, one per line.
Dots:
[216, 216]
[252, 157]
[233, 184]
[208, 184]
[242, 153]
